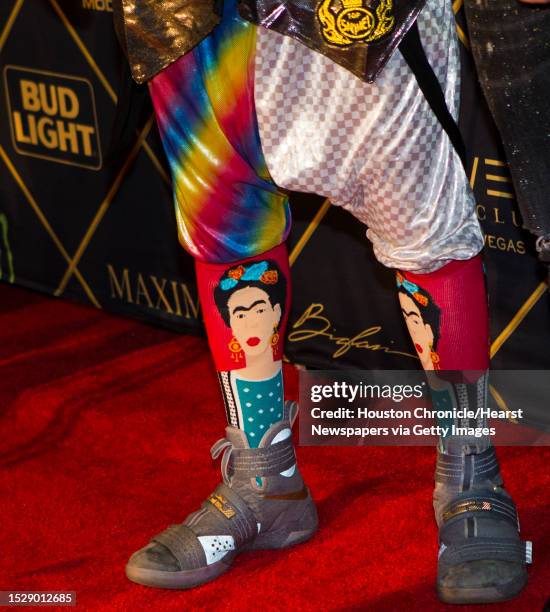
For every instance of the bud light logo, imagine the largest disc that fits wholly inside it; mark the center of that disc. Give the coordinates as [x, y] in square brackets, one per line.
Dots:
[53, 116]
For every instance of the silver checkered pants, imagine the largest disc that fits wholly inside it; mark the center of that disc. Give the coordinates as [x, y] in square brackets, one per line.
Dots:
[375, 149]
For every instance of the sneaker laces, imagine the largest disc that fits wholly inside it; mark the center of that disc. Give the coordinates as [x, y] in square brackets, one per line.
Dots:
[225, 446]
[292, 408]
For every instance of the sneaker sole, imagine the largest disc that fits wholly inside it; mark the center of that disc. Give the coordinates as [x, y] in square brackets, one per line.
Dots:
[483, 595]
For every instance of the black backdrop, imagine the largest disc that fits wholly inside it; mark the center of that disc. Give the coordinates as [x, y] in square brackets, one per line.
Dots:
[79, 228]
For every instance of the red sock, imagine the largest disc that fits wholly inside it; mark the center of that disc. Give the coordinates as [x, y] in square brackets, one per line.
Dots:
[245, 306]
[447, 315]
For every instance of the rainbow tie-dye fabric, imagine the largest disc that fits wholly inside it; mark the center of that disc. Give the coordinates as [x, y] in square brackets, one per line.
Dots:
[227, 206]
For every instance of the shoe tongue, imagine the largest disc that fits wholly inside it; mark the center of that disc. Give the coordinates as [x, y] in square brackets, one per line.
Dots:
[237, 437]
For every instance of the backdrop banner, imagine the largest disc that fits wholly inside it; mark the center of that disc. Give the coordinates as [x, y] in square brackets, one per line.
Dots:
[77, 227]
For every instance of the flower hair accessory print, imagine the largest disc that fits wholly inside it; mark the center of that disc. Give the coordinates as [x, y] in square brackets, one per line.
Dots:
[412, 289]
[256, 272]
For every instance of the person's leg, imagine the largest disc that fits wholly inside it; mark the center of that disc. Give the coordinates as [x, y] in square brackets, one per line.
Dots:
[447, 317]
[396, 171]
[233, 220]
[443, 298]
[245, 306]
[481, 557]
[263, 501]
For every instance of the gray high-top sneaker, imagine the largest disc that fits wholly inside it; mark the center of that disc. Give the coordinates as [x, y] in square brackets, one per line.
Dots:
[262, 503]
[481, 556]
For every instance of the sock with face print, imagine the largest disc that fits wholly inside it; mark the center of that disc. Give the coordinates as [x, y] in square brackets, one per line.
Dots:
[245, 306]
[447, 317]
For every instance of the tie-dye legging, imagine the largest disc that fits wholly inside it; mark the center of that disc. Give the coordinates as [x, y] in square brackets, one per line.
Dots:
[227, 206]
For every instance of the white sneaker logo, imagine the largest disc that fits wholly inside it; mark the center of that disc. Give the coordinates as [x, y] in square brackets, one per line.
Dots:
[216, 547]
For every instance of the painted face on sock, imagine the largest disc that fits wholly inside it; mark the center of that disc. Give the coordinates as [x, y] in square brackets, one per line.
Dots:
[420, 331]
[252, 319]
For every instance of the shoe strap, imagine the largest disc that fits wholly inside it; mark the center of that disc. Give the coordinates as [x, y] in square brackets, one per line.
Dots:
[474, 549]
[183, 544]
[483, 504]
[230, 513]
[253, 462]
[465, 471]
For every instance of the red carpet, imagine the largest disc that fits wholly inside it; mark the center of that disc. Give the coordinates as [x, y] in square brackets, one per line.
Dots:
[105, 430]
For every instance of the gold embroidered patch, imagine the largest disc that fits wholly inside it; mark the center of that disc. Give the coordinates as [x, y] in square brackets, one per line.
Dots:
[221, 504]
[346, 22]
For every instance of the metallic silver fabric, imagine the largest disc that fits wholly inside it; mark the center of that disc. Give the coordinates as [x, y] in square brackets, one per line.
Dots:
[375, 149]
[154, 33]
